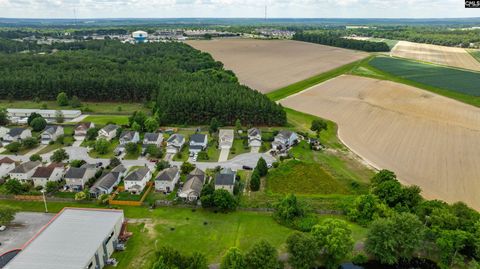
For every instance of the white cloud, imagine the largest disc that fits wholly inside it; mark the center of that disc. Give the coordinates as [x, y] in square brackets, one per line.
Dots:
[234, 8]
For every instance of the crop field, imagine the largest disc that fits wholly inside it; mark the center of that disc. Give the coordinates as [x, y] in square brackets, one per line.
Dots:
[267, 65]
[456, 57]
[428, 140]
[451, 79]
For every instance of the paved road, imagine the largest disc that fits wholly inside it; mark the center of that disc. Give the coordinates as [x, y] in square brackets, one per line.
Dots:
[81, 153]
[23, 228]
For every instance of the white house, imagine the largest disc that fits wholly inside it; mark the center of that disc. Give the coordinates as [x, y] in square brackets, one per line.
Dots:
[193, 186]
[24, 171]
[198, 142]
[82, 129]
[108, 182]
[284, 140]
[254, 138]
[16, 135]
[108, 132]
[44, 174]
[51, 133]
[3, 131]
[136, 181]
[226, 137]
[129, 137]
[6, 165]
[175, 143]
[225, 180]
[75, 178]
[17, 114]
[167, 179]
[152, 139]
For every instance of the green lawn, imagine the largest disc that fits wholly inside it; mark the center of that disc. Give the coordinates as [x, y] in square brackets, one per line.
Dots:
[110, 154]
[127, 196]
[239, 148]
[184, 154]
[88, 107]
[475, 54]
[391, 43]
[134, 156]
[106, 119]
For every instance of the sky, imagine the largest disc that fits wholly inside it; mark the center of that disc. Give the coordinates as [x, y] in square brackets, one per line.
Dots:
[235, 9]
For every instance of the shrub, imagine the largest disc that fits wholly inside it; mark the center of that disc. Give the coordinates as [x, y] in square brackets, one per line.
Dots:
[35, 157]
[38, 124]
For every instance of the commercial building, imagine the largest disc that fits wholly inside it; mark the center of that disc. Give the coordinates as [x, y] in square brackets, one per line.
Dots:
[20, 115]
[74, 239]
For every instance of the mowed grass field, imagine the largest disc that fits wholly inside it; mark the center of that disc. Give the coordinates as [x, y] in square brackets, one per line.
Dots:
[404, 129]
[438, 76]
[267, 65]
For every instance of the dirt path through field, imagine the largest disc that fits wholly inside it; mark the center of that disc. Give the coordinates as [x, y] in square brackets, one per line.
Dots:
[267, 65]
[457, 57]
[427, 139]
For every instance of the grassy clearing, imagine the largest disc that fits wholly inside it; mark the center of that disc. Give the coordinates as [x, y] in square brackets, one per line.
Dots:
[106, 119]
[110, 154]
[390, 42]
[87, 107]
[450, 82]
[237, 149]
[305, 84]
[475, 54]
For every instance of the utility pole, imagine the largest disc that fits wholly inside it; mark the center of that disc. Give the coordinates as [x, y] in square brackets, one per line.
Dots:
[45, 201]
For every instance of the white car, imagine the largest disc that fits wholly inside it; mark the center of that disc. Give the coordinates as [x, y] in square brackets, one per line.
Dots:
[3, 228]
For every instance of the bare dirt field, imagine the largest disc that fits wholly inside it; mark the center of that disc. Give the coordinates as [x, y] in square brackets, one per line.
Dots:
[267, 65]
[428, 140]
[456, 57]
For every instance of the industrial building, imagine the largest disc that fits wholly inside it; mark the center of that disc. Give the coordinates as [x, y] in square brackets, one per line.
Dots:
[18, 115]
[74, 239]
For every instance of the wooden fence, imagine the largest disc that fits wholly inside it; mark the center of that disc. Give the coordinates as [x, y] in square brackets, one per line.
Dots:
[112, 200]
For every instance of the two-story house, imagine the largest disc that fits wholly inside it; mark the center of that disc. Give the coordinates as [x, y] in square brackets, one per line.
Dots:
[81, 130]
[6, 165]
[226, 180]
[51, 133]
[175, 143]
[24, 171]
[108, 132]
[284, 140]
[44, 174]
[75, 178]
[136, 181]
[155, 139]
[225, 137]
[167, 179]
[129, 137]
[198, 142]
[193, 185]
[254, 138]
[16, 135]
[108, 182]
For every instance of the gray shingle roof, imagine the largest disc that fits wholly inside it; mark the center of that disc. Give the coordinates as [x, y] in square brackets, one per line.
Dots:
[225, 177]
[110, 127]
[16, 131]
[198, 138]
[119, 169]
[152, 137]
[51, 129]
[75, 172]
[167, 174]
[285, 133]
[137, 175]
[197, 173]
[106, 182]
[254, 132]
[127, 135]
[25, 167]
[176, 137]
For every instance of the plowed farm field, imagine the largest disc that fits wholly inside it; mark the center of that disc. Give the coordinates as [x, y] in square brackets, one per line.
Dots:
[427, 139]
[450, 56]
[267, 65]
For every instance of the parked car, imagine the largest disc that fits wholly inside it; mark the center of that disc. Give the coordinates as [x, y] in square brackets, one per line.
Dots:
[245, 167]
[3, 228]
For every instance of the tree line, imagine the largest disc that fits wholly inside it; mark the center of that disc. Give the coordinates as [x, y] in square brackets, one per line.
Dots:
[187, 86]
[336, 40]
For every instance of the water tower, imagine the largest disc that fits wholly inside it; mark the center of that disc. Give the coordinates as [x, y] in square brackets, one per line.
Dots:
[140, 36]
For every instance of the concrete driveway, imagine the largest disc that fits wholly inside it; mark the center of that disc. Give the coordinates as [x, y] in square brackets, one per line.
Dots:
[22, 229]
[255, 150]
[223, 155]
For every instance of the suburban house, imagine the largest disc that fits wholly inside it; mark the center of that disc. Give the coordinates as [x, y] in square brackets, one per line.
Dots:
[24, 171]
[51, 133]
[226, 137]
[108, 132]
[175, 143]
[82, 129]
[193, 186]
[254, 137]
[6, 165]
[16, 135]
[198, 142]
[129, 137]
[3, 132]
[76, 178]
[108, 182]
[119, 171]
[167, 179]
[284, 140]
[152, 139]
[44, 174]
[136, 181]
[225, 180]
